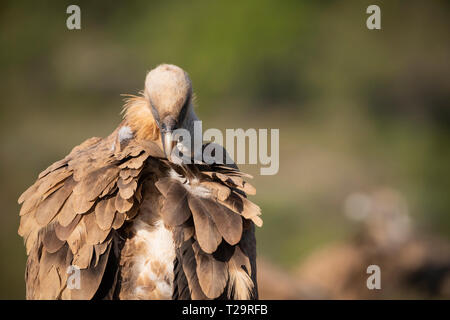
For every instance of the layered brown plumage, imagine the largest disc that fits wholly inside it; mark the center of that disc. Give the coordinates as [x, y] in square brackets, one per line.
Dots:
[93, 208]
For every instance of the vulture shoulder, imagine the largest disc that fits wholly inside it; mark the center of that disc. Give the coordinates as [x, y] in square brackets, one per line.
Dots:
[72, 215]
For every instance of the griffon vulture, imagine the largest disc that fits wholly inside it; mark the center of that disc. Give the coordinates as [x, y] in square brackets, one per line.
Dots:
[133, 223]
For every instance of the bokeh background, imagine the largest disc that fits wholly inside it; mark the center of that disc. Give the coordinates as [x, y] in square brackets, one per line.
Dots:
[364, 121]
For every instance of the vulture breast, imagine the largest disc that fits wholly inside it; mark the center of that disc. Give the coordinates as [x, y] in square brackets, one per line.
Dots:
[152, 262]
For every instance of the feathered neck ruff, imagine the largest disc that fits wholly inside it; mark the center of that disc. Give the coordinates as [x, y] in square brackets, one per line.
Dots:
[139, 118]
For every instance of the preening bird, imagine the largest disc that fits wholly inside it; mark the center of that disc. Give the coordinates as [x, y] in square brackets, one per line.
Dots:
[130, 223]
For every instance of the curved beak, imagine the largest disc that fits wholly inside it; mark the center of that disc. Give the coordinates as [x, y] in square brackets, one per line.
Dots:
[167, 127]
[168, 143]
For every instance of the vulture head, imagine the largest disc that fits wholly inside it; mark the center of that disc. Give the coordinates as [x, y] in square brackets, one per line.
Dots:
[168, 89]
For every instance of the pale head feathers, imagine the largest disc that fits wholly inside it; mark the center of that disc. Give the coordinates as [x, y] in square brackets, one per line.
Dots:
[168, 89]
[165, 103]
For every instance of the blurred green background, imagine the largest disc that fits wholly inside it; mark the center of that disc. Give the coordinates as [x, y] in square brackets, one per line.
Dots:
[357, 109]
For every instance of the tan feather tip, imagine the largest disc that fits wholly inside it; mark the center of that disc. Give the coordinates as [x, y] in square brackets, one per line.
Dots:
[257, 221]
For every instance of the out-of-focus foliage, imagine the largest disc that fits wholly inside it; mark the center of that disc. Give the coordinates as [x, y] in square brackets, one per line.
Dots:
[357, 110]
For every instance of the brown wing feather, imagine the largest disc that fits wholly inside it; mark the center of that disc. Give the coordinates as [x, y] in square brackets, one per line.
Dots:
[104, 213]
[48, 208]
[189, 268]
[50, 240]
[206, 231]
[211, 272]
[175, 208]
